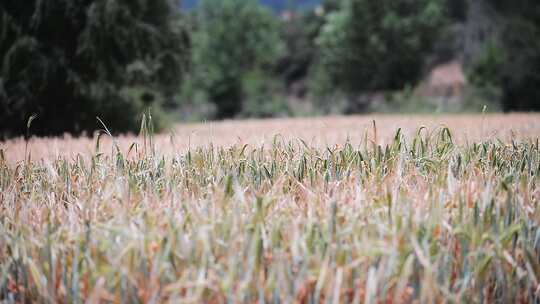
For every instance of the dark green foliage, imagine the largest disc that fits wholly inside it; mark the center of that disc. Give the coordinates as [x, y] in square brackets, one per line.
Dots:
[513, 63]
[72, 60]
[487, 69]
[521, 70]
[378, 45]
[457, 9]
[299, 34]
[233, 39]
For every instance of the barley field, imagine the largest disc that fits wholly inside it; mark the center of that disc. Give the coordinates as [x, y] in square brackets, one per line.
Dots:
[367, 209]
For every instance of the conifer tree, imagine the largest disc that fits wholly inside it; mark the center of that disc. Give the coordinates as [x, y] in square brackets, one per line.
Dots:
[69, 61]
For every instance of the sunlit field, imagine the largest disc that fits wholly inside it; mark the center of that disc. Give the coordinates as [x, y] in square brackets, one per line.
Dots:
[368, 209]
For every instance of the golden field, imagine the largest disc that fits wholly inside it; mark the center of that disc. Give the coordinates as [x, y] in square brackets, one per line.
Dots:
[315, 131]
[362, 209]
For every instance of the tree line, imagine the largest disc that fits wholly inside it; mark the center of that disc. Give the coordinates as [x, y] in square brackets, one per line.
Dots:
[70, 61]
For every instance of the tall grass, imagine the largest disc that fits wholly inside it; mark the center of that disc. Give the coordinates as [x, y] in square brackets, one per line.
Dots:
[420, 219]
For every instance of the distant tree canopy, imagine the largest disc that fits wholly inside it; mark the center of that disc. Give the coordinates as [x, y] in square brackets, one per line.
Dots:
[378, 45]
[233, 39]
[69, 61]
[299, 35]
[457, 9]
[514, 63]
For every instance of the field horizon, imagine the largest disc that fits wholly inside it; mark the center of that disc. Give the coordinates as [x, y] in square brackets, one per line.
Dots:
[318, 131]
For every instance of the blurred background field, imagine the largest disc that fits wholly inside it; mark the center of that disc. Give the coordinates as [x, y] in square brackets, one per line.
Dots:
[320, 132]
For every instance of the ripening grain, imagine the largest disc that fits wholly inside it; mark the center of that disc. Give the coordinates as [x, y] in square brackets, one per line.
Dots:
[390, 215]
[319, 132]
